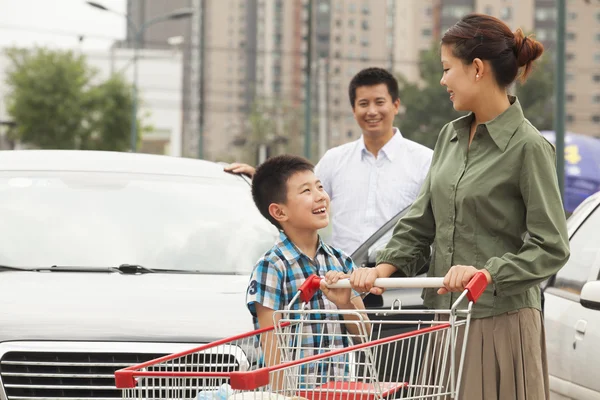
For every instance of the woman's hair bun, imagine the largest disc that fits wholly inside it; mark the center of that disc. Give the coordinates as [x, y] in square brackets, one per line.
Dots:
[527, 50]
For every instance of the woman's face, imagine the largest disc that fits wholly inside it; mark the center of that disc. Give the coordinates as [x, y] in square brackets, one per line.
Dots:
[459, 80]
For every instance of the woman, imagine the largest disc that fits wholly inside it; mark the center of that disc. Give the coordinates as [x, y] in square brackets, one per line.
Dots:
[492, 203]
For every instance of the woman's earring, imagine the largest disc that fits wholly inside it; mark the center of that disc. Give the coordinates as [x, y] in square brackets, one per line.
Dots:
[477, 76]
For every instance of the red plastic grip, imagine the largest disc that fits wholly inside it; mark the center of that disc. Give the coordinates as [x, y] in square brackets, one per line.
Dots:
[476, 286]
[249, 380]
[309, 287]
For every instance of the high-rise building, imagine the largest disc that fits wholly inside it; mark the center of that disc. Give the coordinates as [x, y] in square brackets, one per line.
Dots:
[250, 62]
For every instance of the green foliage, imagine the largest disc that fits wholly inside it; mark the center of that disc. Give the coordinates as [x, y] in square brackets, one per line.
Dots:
[536, 94]
[57, 104]
[426, 103]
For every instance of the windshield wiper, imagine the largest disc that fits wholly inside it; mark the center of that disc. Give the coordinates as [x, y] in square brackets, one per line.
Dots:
[128, 269]
[134, 269]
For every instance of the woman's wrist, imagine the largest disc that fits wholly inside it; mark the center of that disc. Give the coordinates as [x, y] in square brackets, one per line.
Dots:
[385, 270]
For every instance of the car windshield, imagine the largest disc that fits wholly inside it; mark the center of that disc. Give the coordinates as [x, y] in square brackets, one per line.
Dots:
[83, 219]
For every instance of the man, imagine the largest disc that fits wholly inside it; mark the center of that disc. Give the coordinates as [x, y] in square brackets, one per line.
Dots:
[373, 178]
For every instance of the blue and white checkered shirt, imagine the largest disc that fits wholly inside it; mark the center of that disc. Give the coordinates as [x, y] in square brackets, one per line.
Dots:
[276, 279]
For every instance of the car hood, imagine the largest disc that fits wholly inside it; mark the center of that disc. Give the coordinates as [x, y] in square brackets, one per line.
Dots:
[157, 307]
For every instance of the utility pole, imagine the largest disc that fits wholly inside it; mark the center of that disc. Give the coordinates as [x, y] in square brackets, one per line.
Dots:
[322, 86]
[559, 94]
[307, 112]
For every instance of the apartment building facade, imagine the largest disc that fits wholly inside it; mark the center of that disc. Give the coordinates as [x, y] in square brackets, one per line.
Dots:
[254, 52]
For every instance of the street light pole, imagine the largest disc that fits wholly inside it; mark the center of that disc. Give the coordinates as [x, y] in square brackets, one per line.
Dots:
[559, 93]
[137, 38]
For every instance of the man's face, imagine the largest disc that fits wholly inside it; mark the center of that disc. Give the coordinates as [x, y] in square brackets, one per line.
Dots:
[374, 110]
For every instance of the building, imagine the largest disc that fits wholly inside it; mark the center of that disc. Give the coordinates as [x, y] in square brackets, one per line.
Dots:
[247, 84]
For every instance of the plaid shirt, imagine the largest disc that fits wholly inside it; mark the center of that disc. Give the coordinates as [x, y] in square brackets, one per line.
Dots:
[276, 279]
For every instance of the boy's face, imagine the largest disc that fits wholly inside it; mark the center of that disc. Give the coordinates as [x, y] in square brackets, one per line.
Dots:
[307, 205]
[374, 110]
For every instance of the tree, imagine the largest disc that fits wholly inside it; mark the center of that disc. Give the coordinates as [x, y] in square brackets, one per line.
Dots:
[536, 94]
[271, 124]
[56, 105]
[427, 107]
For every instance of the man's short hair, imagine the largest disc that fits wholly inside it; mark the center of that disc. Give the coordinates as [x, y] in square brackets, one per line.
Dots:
[269, 184]
[371, 77]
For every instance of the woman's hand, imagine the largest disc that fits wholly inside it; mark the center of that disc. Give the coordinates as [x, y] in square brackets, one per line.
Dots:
[363, 279]
[340, 297]
[459, 276]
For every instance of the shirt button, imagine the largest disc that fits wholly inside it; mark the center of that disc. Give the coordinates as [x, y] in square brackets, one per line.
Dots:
[450, 249]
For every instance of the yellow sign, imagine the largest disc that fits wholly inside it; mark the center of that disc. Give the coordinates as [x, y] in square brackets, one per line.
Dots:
[572, 154]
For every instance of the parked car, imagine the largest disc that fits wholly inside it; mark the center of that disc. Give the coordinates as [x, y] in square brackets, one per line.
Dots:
[110, 259]
[572, 310]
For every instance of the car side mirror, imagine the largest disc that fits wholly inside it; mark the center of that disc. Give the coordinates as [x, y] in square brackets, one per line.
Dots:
[590, 295]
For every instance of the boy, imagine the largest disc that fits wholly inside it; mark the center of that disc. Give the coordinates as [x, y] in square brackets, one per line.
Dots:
[287, 193]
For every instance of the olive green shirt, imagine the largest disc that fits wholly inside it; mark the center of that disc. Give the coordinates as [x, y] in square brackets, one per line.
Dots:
[493, 205]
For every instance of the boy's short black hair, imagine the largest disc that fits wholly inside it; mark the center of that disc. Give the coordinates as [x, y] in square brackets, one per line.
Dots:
[371, 77]
[269, 184]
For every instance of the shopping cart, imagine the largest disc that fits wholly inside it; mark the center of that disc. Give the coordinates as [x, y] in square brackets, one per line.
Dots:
[423, 363]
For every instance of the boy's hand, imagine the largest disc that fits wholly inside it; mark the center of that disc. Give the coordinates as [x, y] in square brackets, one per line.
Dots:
[339, 297]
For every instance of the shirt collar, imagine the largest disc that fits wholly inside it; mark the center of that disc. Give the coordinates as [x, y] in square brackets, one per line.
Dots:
[291, 253]
[391, 149]
[500, 128]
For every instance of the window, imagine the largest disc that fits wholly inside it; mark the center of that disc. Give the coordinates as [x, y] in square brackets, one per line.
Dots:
[545, 14]
[597, 37]
[597, 58]
[596, 78]
[351, 23]
[426, 33]
[352, 7]
[323, 8]
[572, 16]
[570, 56]
[365, 25]
[506, 13]
[364, 55]
[338, 23]
[571, 36]
[365, 9]
[570, 118]
[570, 97]
[569, 77]
[596, 98]
[489, 10]
[596, 119]
[352, 39]
[585, 253]
[364, 41]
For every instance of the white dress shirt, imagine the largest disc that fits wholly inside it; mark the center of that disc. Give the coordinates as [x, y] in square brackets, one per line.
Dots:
[365, 191]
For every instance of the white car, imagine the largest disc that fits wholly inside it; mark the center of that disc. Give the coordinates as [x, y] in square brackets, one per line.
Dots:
[572, 310]
[112, 259]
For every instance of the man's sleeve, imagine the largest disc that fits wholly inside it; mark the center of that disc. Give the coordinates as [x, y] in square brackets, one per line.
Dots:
[265, 287]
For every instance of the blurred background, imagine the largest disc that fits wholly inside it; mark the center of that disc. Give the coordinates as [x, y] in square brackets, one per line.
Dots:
[240, 80]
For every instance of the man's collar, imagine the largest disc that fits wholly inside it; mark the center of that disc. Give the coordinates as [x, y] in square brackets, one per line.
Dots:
[391, 149]
[292, 253]
[500, 128]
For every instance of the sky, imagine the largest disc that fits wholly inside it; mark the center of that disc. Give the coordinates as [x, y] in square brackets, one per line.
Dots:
[60, 23]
